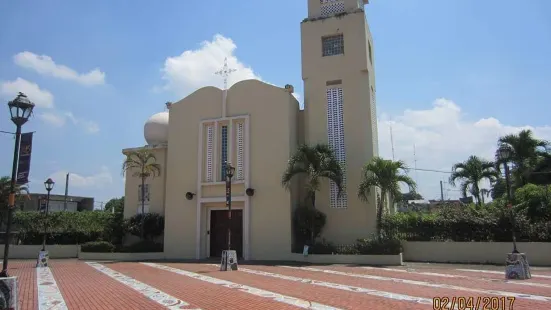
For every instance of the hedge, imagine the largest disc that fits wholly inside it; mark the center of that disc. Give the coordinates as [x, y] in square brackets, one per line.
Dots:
[465, 224]
[63, 227]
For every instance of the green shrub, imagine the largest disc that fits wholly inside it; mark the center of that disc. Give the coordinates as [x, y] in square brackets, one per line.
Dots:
[492, 223]
[154, 225]
[62, 227]
[379, 246]
[98, 247]
[142, 246]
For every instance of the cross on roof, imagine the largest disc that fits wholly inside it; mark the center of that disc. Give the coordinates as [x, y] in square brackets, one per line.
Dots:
[225, 72]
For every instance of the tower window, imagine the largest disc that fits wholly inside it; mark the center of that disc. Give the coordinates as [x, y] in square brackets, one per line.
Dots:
[224, 152]
[331, 7]
[370, 53]
[332, 45]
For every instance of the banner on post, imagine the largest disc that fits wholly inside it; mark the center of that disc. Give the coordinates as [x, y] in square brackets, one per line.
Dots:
[24, 165]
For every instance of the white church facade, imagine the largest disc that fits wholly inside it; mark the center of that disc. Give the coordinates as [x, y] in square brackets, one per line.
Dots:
[257, 127]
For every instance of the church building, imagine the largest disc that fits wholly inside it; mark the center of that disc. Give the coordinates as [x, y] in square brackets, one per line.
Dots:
[256, 127]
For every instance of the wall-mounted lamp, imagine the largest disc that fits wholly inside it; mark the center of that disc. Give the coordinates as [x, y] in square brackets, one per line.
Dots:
[189, 195]
[249, 191]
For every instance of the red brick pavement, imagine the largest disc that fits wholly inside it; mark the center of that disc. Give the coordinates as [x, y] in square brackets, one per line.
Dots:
[474, 280]
[199, 293]
[329, 296]
[484, 275]
[83, 287]
[25, 272]
[390, 286]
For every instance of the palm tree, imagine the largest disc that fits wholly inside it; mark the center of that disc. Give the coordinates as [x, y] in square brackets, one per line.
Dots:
[314, 163]
[20, 190]
[472, 172]
[143, 165]
[386, 175]
[526, 151]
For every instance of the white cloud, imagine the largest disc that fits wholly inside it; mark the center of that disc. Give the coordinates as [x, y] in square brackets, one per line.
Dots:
[59, 119]
[45, 65]
[41, 97]
[442, 136]
[97, 180]
[194, 69]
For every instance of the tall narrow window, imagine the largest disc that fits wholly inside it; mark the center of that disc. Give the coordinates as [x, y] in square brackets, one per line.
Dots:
[240, 151]
[370, 53]
[210, 153]
[335, 137]
[374, 130]
[224, 152]
[332, 45]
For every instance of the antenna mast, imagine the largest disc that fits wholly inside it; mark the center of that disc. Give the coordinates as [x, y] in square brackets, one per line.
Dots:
[391, 139]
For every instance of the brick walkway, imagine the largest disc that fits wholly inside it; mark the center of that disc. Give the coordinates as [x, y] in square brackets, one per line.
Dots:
[126, 285]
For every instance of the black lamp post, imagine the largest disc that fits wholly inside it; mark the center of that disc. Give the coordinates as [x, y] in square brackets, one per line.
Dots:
[230, 170]
[504, 154]
[21, 109]
[49, 184]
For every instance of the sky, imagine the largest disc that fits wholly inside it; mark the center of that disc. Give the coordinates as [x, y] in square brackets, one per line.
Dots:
[452, 76]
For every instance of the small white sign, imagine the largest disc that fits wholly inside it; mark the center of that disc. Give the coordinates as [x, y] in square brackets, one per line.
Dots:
[305, 251]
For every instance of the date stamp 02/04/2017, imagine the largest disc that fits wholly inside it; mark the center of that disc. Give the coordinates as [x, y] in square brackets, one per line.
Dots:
[473, 303]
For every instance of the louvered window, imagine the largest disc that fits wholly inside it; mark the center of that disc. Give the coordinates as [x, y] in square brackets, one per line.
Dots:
[240, 151]
[224, 152]
[210, 153]
[335, 137]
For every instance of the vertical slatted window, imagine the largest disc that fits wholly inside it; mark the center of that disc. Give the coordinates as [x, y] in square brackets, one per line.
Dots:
[335, 137]
[210, 153]
[224, 152]
[240, 151]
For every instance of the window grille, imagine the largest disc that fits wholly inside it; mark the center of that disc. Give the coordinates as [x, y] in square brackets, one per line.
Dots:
[331, 7]
[240, 151]
[224, 152]
[333, 45]
[210, 153]
[335, 137]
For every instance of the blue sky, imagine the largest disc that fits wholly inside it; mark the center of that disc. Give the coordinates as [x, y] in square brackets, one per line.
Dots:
[451, 75]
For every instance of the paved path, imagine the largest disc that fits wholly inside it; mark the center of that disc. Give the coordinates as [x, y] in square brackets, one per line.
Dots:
[73, 284]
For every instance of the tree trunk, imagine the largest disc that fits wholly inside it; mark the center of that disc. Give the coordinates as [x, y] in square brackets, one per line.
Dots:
[142, 224]
[380, 209]
[312, 236]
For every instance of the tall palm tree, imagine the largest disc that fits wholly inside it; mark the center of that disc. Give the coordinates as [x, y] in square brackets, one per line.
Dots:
[526, 151]
[386, 175]
[471, 172]
[314, 163]
[142, 164]
[20, 192]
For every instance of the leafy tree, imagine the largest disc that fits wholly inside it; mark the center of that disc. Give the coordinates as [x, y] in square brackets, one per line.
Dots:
[116, 224]
[142, 164]
[499, 188]
[535, 200]
[116, 203]
[471, 172]
[542, 171]
[20, 193]
[386, 175]
[526, 152]
[412, 195]
[314, 163]
[154, 225]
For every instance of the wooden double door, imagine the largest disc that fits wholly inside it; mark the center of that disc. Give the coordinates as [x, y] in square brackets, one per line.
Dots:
[218, 232]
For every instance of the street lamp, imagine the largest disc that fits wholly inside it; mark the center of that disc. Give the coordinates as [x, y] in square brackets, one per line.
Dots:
[21, 108]
[504, 155]
[49, 184]
[229, 256]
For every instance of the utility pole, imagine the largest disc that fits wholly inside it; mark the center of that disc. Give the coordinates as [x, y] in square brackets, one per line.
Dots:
[441, 191]
[66, 192]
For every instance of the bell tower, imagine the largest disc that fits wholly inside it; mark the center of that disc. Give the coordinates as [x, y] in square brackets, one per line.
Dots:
[339, 107]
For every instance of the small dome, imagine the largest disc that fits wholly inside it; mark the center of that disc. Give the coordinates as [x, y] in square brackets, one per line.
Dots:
[156, 129]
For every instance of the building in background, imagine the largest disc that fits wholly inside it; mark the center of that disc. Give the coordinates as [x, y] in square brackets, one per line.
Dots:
[37, 202]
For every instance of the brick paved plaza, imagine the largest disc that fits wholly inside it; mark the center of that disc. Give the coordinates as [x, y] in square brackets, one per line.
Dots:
[72, 284]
